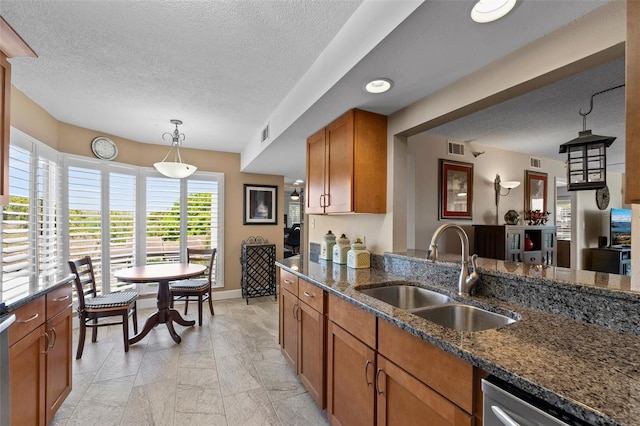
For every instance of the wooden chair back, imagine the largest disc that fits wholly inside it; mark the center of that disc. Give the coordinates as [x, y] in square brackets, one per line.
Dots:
[204, 257]
[85, 281]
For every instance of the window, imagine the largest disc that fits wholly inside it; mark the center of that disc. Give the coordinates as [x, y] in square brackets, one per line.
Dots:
[30, 238]
[120, 215]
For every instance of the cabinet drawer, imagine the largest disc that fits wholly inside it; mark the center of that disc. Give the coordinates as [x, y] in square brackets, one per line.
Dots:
[58, 300]
[311, 295]
[532, 257]
[353, 319]
[28, 318]
[289, 281]
[443, 372]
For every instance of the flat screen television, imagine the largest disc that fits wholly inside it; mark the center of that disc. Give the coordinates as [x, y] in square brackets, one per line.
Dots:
[620, 227]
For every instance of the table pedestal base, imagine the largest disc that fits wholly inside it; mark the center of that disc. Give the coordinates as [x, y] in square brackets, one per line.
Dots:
[164, 315]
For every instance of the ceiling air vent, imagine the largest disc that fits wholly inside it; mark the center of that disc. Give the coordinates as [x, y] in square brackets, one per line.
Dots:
[536, 163]
[455, 148]
[265, 134]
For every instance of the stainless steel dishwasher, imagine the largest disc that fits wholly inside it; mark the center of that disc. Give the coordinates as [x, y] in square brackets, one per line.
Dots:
[506, 405]
[5, 401]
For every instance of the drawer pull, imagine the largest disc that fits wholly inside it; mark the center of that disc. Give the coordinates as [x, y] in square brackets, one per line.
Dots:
[306, 293]
[55, 337]
[287, 281]
[47, 344]
[378, 391]
[366, 371]
[61, 299]
[31, 318]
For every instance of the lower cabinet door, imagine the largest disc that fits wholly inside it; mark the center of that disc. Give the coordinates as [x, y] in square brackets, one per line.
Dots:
[404, 400]
[310, 351]
[350, 377]
[27, 360]
[59, 356]
[289, 338]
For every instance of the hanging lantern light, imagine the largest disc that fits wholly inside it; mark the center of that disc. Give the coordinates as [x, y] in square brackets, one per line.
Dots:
[587, 155]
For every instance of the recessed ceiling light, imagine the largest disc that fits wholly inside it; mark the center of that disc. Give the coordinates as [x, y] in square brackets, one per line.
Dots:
[491, 10]
[379, 85]
[298, 181]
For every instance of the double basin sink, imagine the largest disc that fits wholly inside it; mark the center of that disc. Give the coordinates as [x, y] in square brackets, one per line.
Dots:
[438, 308]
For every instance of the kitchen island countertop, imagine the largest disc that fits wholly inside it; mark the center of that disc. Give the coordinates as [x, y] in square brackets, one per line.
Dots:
[588, 370]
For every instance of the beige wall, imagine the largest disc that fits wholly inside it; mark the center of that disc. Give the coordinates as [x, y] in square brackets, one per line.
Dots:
[30, 118]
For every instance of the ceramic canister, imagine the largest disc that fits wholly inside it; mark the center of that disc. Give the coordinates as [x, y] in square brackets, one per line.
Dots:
[358, 256]
[326, 246]
[340, 250]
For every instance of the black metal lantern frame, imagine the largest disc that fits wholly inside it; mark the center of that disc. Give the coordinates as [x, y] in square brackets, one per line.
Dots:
[587, 155]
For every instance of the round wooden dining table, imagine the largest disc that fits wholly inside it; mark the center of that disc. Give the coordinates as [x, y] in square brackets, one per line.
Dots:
[162, 273]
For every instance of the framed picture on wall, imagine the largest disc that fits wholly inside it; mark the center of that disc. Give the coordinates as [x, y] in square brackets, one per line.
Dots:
[455, 190]
[535, 192]
[260, 205]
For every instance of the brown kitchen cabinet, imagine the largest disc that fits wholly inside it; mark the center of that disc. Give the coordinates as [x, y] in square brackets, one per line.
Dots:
[11, 45]
[351, 364]
[347, 165]
[404, 400]
[40, 354]
[302, 337]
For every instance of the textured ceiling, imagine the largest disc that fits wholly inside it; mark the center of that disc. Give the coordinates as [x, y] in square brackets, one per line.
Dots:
[227, 67]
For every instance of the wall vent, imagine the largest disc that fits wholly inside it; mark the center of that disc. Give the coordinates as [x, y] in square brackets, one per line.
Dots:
[455, 148]
[265, 134]
[536, 163]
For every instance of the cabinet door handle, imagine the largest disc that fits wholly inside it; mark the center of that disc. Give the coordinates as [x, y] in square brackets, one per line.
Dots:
[308, 294]
[321, 200]
[366, 372]
[61, 299]
[294, 311]
[31, 318]
[47, 343]
[327, 204]
[55, 337]
[379, 392]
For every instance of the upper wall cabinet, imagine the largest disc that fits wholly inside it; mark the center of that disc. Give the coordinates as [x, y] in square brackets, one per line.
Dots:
[347, 165]
[11, 45]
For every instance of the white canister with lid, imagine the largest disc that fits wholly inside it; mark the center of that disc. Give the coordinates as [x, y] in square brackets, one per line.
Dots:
[358, 257]
[340, 250]
[326, 246]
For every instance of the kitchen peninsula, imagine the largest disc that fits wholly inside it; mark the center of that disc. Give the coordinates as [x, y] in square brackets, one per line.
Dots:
[555, 351]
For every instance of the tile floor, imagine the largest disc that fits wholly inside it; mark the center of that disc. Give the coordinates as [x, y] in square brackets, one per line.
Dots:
[228, 372]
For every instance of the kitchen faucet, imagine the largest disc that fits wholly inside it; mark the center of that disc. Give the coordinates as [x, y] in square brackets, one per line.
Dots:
[466, 280]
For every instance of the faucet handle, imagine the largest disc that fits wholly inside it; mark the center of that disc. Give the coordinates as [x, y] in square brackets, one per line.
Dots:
[473, 262]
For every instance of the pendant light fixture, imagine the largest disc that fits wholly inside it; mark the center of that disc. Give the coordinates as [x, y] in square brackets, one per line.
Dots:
[177, 168]
[294, 195]
[587, 156]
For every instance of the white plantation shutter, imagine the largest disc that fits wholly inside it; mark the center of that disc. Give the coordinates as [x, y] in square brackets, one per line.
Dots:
[163, 219]
[122, 230]
[48, 197]
[17, 250]
[85, 216]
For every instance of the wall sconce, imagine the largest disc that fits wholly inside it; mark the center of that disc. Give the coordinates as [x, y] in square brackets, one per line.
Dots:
[587, 155]
[175, 169]
[498, 186]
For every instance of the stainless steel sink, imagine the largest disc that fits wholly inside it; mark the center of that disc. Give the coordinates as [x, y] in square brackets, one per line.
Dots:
[463, 317]
[406, 296]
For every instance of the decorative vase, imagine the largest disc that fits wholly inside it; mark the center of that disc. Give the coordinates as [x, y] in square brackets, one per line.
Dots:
[528, 244]
[511, 217]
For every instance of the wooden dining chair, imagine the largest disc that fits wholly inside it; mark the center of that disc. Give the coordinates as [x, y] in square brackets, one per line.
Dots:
[92, 306]
[198, 288]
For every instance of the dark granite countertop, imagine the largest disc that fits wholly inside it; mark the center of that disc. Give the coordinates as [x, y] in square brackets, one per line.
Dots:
[588, 370]
[25, 294]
